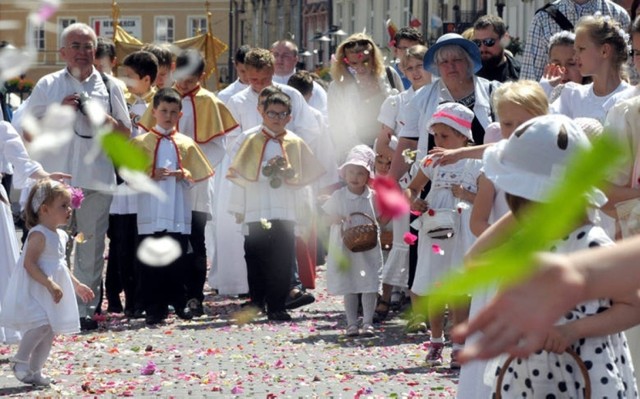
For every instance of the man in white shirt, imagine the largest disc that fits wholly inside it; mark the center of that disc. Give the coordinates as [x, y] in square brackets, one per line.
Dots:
[239, 84]
[285, 53]
[78, 82]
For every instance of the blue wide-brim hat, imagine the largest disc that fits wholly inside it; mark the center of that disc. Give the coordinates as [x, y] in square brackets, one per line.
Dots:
[448, 39]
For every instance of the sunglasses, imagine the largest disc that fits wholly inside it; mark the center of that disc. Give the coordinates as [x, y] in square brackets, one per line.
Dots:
[487, 42]
[357, 43]
[277, 115]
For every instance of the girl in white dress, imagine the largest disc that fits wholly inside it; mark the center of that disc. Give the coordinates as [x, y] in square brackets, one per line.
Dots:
[527, 167]
[352, 273]
[601, 52]
[444, 224]
[39, 301]
[12, 150]
[515, 103]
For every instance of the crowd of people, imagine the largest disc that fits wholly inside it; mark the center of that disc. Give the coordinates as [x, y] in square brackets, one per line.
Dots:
[469, 136]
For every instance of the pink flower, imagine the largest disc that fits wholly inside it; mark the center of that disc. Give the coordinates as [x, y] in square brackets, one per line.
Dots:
[437, 250]
[390, 200]
[410, 238]
[149, 369]
[77, 196]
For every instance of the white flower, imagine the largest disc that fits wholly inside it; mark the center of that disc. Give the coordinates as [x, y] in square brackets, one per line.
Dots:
[158, 251]
[265, 224]
[409, 156]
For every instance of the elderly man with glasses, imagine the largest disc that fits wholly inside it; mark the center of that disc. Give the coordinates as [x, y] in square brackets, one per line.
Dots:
[73, 86]
[489, 32]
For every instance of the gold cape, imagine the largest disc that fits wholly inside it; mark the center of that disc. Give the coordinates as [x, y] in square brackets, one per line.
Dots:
[191, 159]
[147, 98]
[247, 164]
[211, 116]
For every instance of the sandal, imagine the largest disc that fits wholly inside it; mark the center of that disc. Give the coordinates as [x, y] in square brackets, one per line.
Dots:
[381, 315]
[353, 331]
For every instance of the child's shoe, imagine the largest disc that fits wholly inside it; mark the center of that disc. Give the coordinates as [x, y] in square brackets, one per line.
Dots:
[455, 364]
[434, 355]
[368, 331]
[21, 371]
[353, 331]
[39, 380]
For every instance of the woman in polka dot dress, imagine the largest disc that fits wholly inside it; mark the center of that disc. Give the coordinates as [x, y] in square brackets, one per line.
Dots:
[593, 328]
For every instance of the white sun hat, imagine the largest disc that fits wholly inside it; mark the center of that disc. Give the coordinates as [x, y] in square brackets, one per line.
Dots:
[454, 115]
[533, 160]
[360, 155]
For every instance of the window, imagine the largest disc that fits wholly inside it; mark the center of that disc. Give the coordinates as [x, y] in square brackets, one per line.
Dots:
[164, 31]
[352, 15]
[63, 22]
[37, 36]
[372, 19]
[196, 26]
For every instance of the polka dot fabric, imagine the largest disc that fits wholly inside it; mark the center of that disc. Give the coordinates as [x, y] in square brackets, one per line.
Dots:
[607, 358]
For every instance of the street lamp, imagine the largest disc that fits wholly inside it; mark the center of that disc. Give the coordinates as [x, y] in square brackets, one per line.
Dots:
[500, 7]
[335, 32]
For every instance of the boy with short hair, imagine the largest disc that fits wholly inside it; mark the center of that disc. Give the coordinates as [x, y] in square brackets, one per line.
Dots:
[269, 170]
[165, 64]
[207, 121]
[177, 163]
[139, 72]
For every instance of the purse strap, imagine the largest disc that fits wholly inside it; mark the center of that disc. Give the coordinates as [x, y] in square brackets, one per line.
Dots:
[569, 351]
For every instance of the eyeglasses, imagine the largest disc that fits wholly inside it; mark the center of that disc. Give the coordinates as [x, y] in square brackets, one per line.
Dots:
[277, 115]
[83, 47]
[490, 42]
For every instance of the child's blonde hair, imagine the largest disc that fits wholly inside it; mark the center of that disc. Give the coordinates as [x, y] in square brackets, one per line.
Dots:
[356, 43]
[44, 192]
[525, 93]
[604, 30]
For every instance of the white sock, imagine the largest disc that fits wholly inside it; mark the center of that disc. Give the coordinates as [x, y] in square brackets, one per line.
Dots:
[369, 300]
[40, 353]
[351, 309]
[29, 342]
[439, 340]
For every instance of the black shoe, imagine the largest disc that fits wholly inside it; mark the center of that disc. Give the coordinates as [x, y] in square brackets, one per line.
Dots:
[88, 324]
[153, 319]
[300, 299]
[184, 313]
[279, 316]
[134, 314]
[196, 307]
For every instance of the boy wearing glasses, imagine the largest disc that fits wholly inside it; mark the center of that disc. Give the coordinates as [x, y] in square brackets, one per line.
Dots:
[269, 172]
[497, 64]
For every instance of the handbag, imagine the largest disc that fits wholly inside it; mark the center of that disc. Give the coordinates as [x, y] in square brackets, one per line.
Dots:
[362, 237]
[569, 351]
[440, 223]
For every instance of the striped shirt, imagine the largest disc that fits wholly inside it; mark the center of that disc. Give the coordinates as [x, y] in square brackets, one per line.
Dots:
[536, 49]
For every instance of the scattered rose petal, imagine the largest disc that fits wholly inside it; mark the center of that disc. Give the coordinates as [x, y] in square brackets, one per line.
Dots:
[149, 369]
[410, 238]
[431, 212]
[140, 182]
[265, 224]
[237, 390]
[390, 200]
[50, 135]
[437, 250]
[79, 238]
[158, 251]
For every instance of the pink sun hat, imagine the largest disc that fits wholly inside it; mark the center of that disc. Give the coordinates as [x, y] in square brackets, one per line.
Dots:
[360, 155]
[456, 116]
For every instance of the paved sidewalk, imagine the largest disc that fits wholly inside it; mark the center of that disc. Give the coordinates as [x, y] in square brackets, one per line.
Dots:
[213, 357]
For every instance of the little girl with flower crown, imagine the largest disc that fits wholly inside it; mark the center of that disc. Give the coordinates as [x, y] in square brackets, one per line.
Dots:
[39, 301]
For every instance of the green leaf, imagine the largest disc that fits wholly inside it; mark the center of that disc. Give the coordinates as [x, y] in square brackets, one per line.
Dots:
[124, 154]
[539, 226]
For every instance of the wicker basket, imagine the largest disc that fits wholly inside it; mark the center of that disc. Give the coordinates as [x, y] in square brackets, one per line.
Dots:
[571, 352]
[362, 237]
